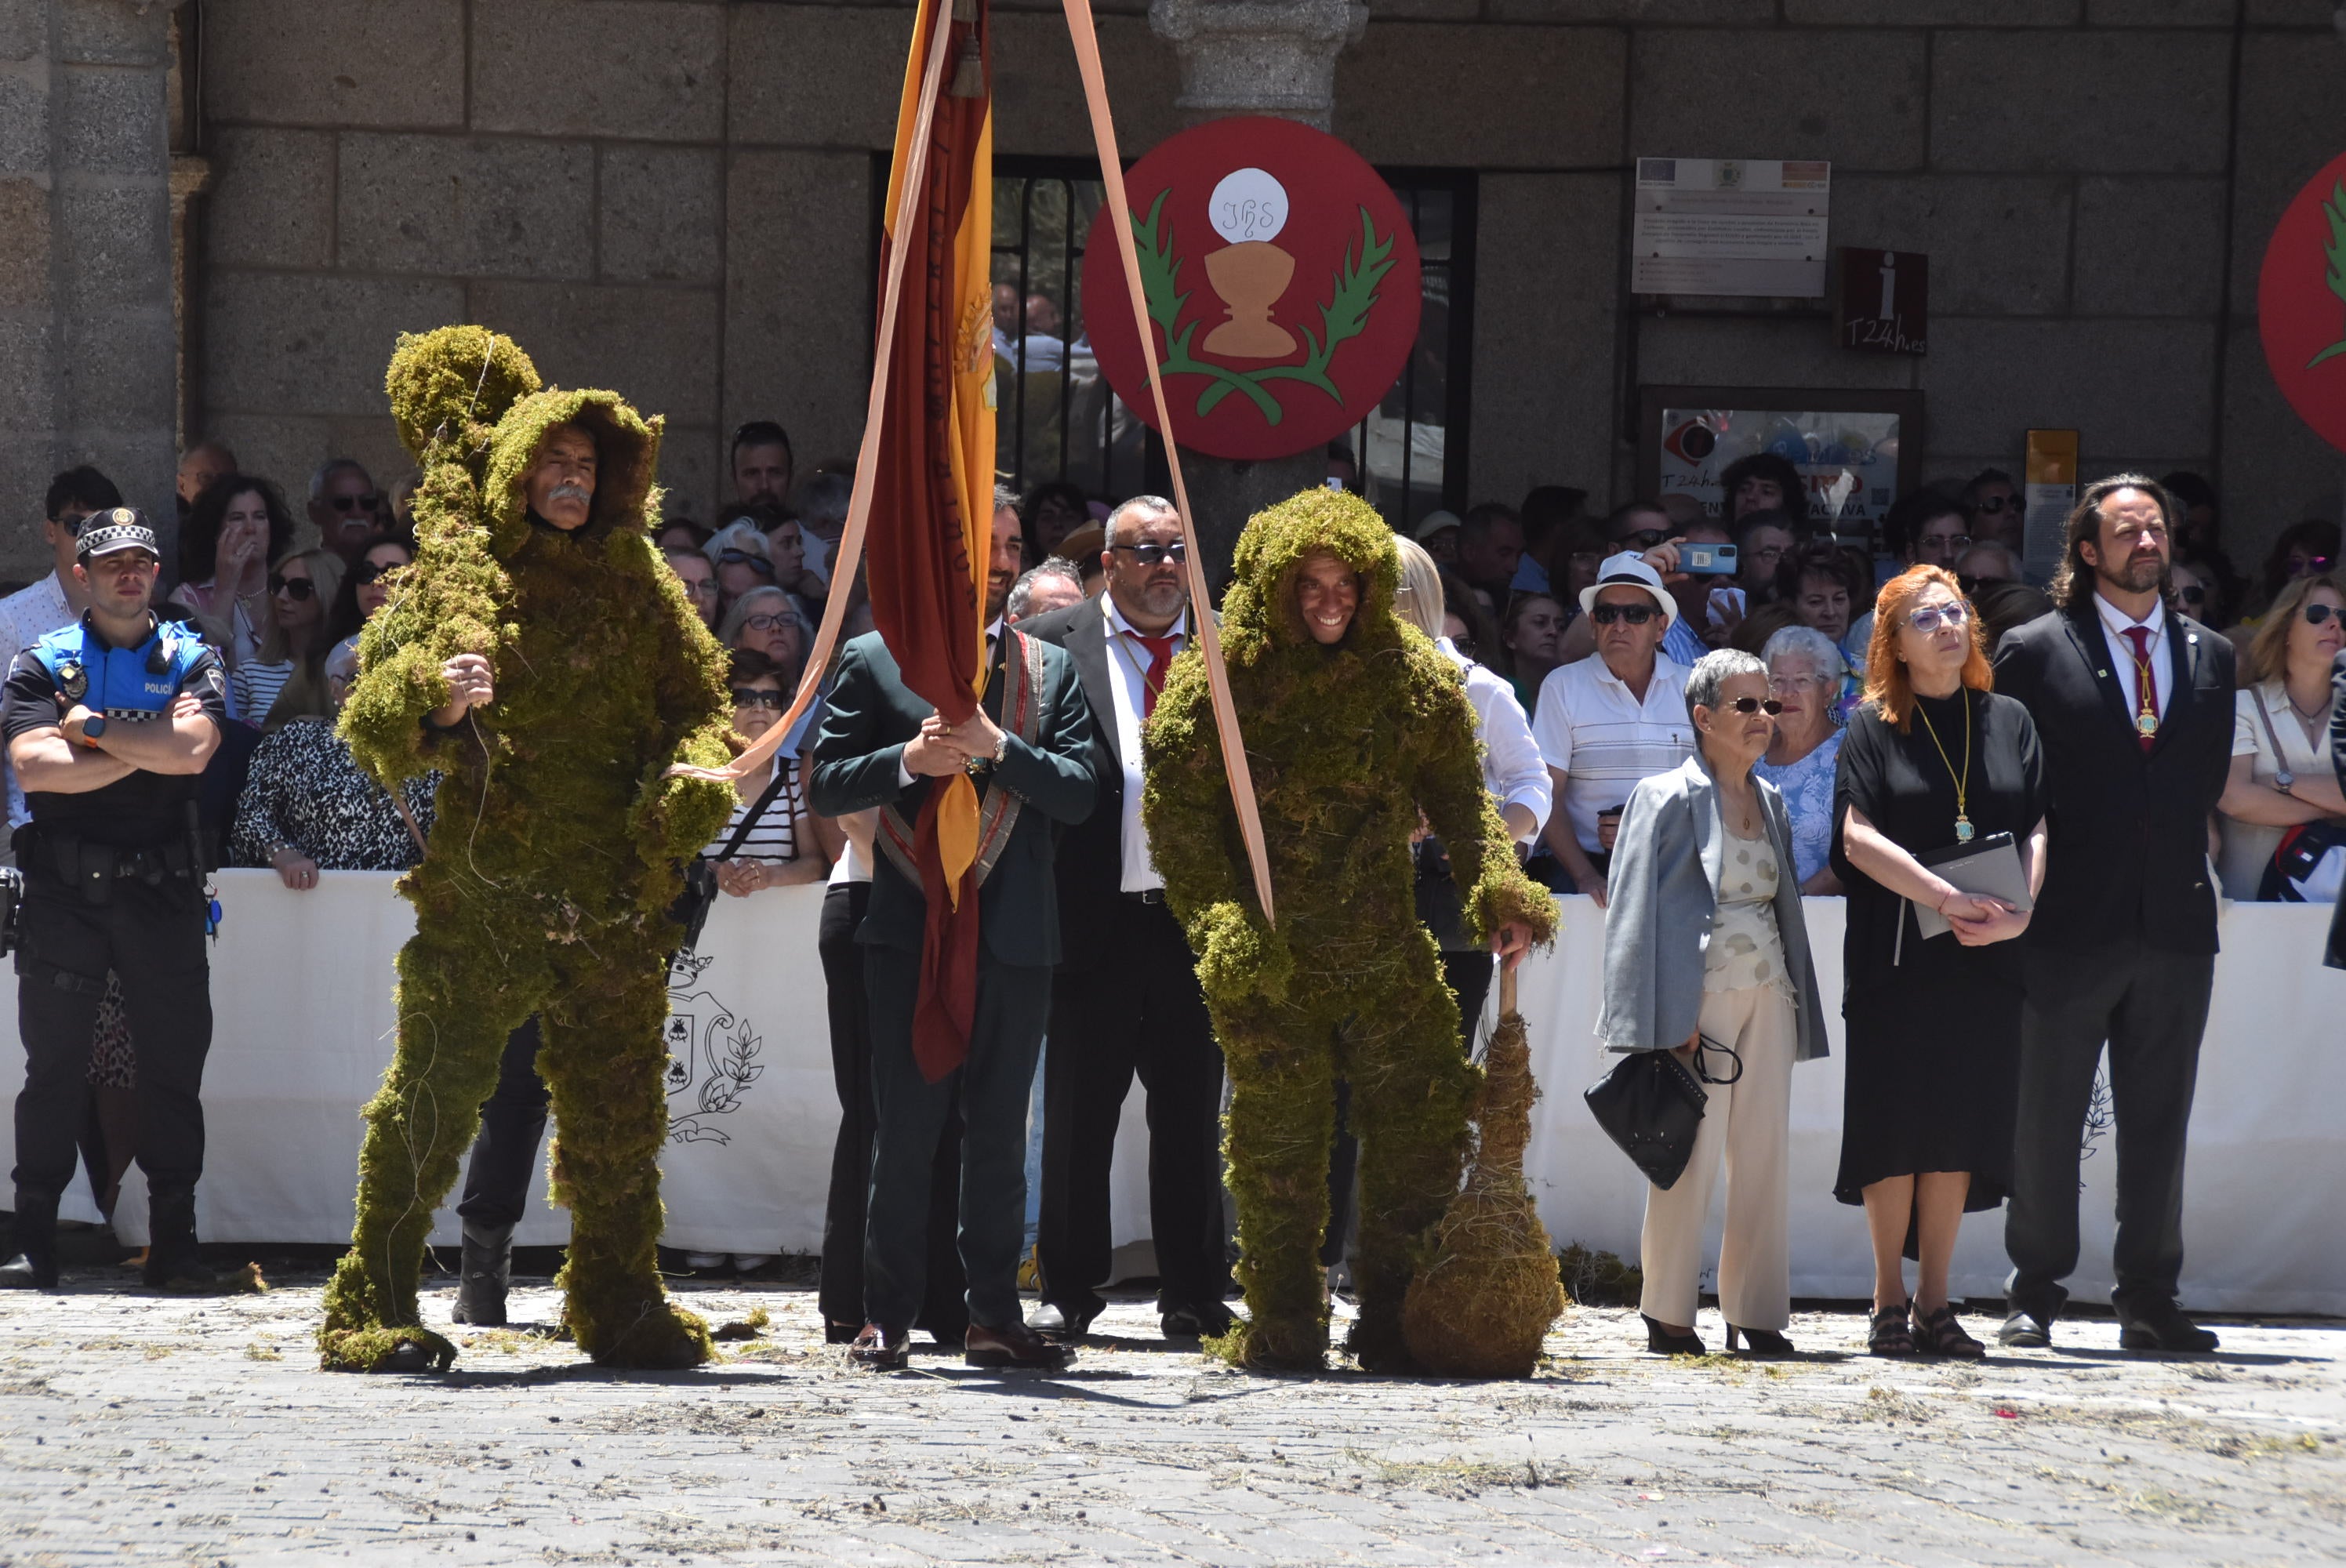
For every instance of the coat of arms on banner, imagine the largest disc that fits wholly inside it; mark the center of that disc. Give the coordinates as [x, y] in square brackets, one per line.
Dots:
[711, 1055]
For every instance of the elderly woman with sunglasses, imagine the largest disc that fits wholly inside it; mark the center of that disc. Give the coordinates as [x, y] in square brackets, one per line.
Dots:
[2282, 776]
[1707, 955]
[771, 840]
[1933, 760]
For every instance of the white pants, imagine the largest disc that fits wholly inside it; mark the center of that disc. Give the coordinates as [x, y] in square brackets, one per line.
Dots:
[1749, 1120]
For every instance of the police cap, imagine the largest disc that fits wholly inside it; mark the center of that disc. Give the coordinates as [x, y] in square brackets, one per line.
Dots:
[115, 529]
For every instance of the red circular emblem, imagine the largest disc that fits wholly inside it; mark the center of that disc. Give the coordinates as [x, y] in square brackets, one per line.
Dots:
[2302, 303]
[1281, 281]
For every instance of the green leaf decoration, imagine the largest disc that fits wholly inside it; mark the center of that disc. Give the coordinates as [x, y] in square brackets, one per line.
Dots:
[2334, 209]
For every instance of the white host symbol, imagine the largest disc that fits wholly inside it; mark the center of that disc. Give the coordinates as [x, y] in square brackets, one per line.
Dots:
[1247, 205]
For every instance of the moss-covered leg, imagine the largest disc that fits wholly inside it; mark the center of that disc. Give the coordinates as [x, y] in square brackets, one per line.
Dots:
[1282, 1121]
[457, 1000]
[603, 1059]
[1412, 1089]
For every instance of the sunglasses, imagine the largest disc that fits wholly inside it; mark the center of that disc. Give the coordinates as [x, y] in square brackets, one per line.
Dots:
[757, 564]
[349, 503]
[2198, 595]
[770, 623]
[1993, 504]
[294, 588]
[1931, 620]
[748, 696]
[1748, 706]
[2311, 566]
[1149, 555]
[367, 572]
[1642, 540]
[1636, 615]
[2317, 614]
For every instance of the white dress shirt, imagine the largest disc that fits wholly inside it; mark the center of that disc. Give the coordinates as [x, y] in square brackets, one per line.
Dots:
[1593, 729]
[1512, 769]
[26, 616]
[2114, 622]
[1128, 668]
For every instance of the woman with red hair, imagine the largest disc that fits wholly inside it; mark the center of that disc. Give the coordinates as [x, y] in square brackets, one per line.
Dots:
[1932, 760]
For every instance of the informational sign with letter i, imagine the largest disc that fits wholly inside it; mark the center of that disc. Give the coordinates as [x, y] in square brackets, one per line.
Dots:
[2051, 480]
[1885, 300]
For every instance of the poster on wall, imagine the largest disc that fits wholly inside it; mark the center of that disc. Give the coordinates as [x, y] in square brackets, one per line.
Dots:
[2051, 481]
[1731, 226]
[1856, 451]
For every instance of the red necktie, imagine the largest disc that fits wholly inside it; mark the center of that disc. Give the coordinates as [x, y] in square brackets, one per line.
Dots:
[2145, 688]
[1152, 681]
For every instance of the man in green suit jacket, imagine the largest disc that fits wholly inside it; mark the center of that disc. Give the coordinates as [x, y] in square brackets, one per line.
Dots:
[879, 747]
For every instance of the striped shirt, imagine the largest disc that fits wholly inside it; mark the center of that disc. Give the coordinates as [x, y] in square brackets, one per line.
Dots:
[1590, 728]
[776, 835]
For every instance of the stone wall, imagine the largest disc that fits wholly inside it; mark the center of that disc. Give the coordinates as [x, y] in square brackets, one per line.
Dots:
[674, 198]
[86, 327]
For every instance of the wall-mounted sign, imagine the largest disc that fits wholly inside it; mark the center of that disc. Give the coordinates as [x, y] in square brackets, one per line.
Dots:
[2049, 483]
[1731, 226]
[2302, 303]
[1885, 301]
[1281, 281]
[1857, 451]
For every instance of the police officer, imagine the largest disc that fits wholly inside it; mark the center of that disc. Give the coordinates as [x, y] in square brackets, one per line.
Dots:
[107, 722]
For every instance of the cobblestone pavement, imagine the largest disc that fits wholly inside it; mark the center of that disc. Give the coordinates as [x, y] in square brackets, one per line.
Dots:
[141, 1428]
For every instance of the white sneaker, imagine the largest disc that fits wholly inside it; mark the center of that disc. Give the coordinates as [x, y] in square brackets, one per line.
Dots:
[704, 1260]
[745, 1261]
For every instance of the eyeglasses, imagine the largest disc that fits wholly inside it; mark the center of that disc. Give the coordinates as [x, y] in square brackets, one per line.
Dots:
[750, 696]
[1636, 615]
[294, 588]
[1794, 682]
[1930, 617]
[757, 564]
[1642, 540]
[1149, 555]
[770, 622]
[1954, 542]
[347, 504]
[367, 572]
[2317, 614]
[1748, 706]
[1992, 505]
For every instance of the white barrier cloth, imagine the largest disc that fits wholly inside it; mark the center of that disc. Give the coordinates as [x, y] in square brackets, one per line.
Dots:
[301, 996]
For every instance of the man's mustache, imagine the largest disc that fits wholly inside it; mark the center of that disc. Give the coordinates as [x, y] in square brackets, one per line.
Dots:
[569, 491]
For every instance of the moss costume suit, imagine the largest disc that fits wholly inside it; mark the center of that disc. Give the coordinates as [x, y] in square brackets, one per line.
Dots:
[1348, 744]
[556, 854]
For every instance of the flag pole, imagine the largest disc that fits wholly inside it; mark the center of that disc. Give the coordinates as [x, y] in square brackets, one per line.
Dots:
[1210, 640]
[867, 461]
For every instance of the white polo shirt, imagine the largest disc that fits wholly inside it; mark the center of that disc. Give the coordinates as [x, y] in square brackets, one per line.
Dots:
[1593, 731]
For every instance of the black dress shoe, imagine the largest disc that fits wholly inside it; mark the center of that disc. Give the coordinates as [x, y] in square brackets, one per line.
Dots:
[1207, 1322]
[1662, 1342]
[1766, 1344]
[880, 1349]
[1059, 1325]
[1014, 1346]
[2162, 1326]
[2024, 1330]
[27, 1272]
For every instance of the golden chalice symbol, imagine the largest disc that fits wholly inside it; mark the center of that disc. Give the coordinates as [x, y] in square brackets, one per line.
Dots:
[1249, 209]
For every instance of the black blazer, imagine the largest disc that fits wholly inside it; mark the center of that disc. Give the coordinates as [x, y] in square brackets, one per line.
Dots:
[1090, 865]
[870, 717]
[2336, 955]
[2127, 857]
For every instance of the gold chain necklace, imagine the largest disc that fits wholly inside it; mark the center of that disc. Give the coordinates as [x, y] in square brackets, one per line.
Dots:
[1964, 779]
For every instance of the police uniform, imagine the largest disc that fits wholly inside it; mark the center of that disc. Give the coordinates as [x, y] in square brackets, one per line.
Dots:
[113, 879]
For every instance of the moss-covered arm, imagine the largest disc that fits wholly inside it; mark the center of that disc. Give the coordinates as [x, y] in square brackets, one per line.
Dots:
[1493, 887]
[675, 817]
[447, 606]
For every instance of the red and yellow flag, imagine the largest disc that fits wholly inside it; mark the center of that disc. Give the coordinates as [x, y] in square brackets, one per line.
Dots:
[932, 508]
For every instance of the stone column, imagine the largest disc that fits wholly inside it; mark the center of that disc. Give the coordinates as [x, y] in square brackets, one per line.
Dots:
[87, 345]
[1253, 58]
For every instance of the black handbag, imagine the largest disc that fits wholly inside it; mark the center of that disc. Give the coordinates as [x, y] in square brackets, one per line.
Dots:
[1651, 1104]
[699, 896]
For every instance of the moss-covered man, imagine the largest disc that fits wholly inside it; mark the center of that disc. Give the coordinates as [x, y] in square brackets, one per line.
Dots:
[541, 655]
[1354, 724]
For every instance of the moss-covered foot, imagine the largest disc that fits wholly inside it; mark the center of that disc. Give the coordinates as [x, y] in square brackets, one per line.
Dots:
[412, 1349]
[660, 1337]
[1268, 1344]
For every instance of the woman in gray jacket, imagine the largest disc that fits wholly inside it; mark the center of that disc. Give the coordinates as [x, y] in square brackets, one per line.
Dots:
[1706, 955]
